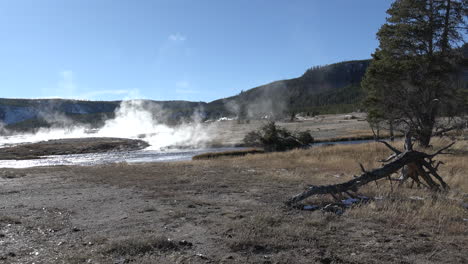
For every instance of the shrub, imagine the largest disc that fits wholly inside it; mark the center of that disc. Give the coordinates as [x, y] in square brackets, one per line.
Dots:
[305, 137]
[274, 138]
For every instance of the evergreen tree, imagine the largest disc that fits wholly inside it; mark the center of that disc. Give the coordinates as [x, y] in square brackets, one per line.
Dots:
[411, 77]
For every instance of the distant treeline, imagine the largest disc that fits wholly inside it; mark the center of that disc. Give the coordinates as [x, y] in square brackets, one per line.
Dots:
[332, 88]
[329, 89]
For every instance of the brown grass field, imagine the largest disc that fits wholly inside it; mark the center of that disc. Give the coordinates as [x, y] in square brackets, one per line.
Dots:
[230, 210]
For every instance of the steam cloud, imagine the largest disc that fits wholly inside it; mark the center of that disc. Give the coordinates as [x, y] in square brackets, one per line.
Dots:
[268, 103]
[140, 119]
[133, 119]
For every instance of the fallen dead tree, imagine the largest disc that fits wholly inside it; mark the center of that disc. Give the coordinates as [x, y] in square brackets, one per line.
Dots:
[424, 163]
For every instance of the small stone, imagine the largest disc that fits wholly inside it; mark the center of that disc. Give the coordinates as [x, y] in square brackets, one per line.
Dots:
[185, 243]
[120, 261]
[259, 247]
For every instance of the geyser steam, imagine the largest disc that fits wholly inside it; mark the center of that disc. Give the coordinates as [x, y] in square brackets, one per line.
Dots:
[133, 119]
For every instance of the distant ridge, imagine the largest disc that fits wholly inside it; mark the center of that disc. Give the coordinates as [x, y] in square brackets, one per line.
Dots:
[321, 89]
[333, 88]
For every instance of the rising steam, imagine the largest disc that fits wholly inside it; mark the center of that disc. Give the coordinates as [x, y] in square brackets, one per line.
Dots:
[132, 120]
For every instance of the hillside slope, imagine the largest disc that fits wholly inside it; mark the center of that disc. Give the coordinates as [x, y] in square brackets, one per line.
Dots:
[331, 88]
[29, 114]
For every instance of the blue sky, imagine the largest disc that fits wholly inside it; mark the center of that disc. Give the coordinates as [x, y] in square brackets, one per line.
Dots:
[198, 50]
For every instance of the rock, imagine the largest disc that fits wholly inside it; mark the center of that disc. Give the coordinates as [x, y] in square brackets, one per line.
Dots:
[325, 260]
[185, 243]
[121, 261]
[310, 207]
[229, 257]
[350, 201]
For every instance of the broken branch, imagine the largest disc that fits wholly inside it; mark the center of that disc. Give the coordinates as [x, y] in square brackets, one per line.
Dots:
[400, 159]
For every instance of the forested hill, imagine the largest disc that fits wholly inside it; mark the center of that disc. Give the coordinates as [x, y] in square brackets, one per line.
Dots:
[332, 88]
[27, 114]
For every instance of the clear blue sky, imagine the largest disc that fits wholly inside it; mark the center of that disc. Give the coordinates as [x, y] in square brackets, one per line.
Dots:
[198, 50]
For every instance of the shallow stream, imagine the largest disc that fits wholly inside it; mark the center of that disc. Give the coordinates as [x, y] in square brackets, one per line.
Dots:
[111, 157]
[91, 159]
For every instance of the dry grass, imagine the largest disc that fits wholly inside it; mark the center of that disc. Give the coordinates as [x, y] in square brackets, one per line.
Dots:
[232, 210]
[433, 212]
[403, 208]
[140, 246]
[342, 161]
[318, 165]
[234, 153]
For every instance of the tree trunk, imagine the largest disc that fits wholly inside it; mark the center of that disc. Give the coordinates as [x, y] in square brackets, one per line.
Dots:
[431, 25]
[392, 136]
[424, 137]
[378, 131]
[445, 44]
[424, 132]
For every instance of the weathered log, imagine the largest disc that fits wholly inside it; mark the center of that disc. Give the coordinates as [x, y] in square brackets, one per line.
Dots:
[399, 160]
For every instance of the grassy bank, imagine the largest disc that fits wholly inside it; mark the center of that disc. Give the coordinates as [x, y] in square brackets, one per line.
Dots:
[233, 153]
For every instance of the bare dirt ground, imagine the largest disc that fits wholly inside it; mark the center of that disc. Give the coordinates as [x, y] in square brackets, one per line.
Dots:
[322, 127]
[229, 210]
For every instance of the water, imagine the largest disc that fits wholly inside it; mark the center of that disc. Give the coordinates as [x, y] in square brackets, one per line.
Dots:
[111, 157]
[147, 155]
